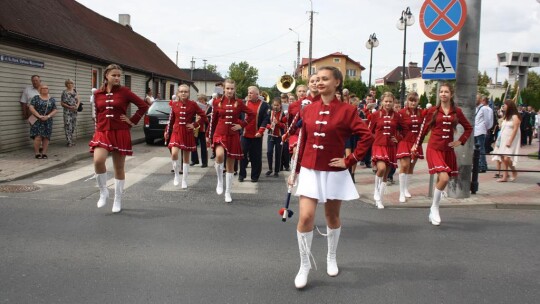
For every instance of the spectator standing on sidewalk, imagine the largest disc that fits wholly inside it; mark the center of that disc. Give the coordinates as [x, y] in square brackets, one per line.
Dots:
[112, 135]
[43, 107]
[483, 121]
[509, 141]
[442, 120]
[28, 93]
[70, 102]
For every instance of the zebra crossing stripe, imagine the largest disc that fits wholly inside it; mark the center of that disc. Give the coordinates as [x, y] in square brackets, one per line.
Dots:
[75, 175]
[141, 171]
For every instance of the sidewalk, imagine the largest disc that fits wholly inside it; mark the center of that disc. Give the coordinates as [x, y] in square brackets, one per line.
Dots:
[523, 193]
[20, 164]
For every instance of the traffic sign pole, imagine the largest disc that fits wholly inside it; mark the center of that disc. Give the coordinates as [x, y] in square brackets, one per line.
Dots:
[465, 95]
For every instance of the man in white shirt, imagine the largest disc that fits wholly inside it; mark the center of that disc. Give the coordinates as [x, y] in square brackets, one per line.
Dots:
[28, 93]
[483, 121]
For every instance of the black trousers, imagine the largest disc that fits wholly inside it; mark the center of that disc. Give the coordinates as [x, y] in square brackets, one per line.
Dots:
[252, 148]
[274, 148]
[200, 141]
[285, 156]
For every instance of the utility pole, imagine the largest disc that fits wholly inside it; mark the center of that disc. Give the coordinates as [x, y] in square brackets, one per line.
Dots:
[297, 51]
[204, 66]
[465, 95]
[178, 45]
[192, 66]
[310, 38]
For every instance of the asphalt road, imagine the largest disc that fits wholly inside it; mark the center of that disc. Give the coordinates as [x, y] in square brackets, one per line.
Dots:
[174, 246]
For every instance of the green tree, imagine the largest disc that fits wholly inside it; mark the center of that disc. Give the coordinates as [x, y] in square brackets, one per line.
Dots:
[423, 100]
[244, 75]
[213, 68]
[355, 86]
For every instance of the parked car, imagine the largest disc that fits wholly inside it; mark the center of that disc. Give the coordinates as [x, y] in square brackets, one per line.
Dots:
[156, 120]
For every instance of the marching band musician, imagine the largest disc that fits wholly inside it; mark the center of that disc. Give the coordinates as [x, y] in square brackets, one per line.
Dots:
[442, 120]
[278, 122]
[112, 133]
[225, 124]
[384, 125]
[252, 136]
[323, 177]
[413, 118]
[182, 137]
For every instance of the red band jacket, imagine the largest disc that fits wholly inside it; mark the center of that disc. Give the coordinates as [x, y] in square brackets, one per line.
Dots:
[385, 125]
[442, 132]
[413, 119]
[258, 124]
[324, 131]
[226, 113]
[109, 107]
[279, 126]
[183, 113]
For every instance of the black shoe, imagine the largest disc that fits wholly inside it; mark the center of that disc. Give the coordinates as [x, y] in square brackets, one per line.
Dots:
[276, 174]
[241, 179]
[172, 170]
[287, 169]
[193, 164]
[482, 171]
[268, 173]
[204, 165]
[235, 173]
[254, 180]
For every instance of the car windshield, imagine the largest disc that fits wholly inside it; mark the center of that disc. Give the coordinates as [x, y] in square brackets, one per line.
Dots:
[160, 106]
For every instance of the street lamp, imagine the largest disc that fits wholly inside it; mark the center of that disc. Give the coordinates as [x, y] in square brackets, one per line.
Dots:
[406, 19]
[372, 42]
[298, 51]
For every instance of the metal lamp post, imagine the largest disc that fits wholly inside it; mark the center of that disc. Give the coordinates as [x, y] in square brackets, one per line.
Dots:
[372, 42]
[297, 51]
[406, 19]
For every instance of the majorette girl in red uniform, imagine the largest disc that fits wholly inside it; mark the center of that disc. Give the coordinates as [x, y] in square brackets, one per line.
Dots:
[413, 117]
[384, 124]
[182, 122]
[226, 124]
[442, 120]
[112, 132]
[323, 177]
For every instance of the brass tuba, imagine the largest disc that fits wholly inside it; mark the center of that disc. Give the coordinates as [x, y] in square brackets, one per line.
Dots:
[265, 95]
[286, 83]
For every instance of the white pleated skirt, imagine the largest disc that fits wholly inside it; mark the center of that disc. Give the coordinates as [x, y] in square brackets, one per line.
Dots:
[326, 185]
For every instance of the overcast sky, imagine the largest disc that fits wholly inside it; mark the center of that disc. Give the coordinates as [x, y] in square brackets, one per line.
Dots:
[257, 31]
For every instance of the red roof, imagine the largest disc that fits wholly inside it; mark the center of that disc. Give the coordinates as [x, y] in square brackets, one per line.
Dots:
[305, 61]
[68, 26]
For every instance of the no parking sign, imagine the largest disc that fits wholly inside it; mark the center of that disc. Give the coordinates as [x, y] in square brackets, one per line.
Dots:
[442, 19]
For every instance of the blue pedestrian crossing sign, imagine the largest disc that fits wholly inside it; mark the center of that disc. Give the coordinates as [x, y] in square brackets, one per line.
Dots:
[440, 59]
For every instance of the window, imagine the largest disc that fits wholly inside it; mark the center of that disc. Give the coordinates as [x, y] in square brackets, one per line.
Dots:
[96, 78]
[171, 91]
[127, 81]
[337, 60]
[313, 70]
[351, 72]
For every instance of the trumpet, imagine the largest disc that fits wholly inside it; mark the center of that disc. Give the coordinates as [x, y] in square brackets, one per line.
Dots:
[286, 83]
[196, 130]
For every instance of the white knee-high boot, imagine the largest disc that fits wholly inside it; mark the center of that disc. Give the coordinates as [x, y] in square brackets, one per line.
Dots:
[304, 246]
[333, 239]
[402, 185]
[434, 216]
[176, 165]
[228, 183]
[185, 168]
[219, 173]
[382, 190]
[406, 189]
[103, 191]
[376, 193]
[118, 192]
